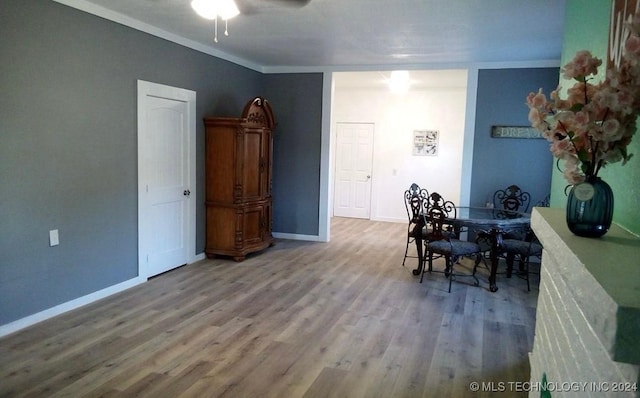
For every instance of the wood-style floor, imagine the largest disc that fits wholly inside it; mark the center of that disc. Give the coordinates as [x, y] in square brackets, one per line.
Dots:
[301, 319]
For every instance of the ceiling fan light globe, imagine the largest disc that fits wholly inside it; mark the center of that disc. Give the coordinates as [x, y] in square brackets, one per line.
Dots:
[227, 9]
[207, 9]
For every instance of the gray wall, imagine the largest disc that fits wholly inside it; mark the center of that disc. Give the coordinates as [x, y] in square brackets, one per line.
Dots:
[297, 105]
[68, 152]
[500, 162]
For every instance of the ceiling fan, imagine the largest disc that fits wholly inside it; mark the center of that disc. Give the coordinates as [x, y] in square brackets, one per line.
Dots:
[227, 9]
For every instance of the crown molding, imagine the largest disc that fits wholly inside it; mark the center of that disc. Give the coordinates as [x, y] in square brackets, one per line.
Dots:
[125, 20]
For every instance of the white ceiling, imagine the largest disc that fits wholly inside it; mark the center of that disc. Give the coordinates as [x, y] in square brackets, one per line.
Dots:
[351, 34]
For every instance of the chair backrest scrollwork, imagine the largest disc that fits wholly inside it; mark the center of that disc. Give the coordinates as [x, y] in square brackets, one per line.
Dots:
[415, 201]
[511, 199]
[544, 202]
[437, 215]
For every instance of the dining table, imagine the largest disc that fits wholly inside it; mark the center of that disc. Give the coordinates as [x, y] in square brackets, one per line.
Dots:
[486, 223]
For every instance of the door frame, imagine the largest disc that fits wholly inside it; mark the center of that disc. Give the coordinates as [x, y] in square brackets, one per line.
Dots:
[149, 89]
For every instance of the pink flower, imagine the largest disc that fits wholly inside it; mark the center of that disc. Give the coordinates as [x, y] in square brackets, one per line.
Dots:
[611, 128]
[581, 120]
[632, 45]
[537, 119]
[634, 26]
[613, 156]
[609, 131]
[571, 172]
[561, 148]
[537, 100]
[594, 123]
[582, 65]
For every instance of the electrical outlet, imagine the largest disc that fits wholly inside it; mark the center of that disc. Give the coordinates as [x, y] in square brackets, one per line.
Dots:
[54, 238]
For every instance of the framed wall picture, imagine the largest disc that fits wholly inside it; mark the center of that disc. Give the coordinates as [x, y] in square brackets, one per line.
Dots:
[621, 13]
[425, 142]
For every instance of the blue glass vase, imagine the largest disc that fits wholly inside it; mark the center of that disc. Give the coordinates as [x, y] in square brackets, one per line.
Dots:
[590, 208]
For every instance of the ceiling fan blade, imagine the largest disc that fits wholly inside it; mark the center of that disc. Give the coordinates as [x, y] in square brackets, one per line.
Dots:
[291, 3]
[248, 7]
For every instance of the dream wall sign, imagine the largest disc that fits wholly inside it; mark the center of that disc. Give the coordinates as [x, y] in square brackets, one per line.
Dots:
[514, 132]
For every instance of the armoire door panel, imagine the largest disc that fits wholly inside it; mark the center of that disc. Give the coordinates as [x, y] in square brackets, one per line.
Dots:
[221, 234]
[253, 164]
[220, 159]
[267, 144]
[253, 225]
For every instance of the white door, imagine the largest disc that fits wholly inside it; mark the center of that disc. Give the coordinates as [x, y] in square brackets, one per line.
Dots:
[166, 177]
[354, 160]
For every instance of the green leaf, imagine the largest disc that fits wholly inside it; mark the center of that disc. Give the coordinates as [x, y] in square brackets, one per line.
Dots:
[626, 158]
[584, 157]
[585, 166]
[576, 107]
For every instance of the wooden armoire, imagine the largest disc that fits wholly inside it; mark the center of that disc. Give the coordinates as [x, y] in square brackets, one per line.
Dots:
[238, 181]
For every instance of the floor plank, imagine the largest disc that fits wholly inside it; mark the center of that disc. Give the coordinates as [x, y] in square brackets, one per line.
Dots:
[301, 319]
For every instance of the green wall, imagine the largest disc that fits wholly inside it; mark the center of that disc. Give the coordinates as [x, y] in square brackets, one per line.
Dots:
[587, 28]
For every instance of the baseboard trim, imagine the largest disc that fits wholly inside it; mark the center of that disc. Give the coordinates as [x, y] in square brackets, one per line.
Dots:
[68, 306]
[389, 219]
[310, 238]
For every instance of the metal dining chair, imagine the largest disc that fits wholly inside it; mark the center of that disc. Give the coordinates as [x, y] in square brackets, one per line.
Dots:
[415, 201]
[443, 241]
[518, 245]
[522, 250]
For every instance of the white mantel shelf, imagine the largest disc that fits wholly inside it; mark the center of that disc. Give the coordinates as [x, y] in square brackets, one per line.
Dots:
[588, 315]
[604, 274]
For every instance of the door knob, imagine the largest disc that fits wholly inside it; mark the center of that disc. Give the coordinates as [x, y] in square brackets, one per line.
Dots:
[368, 177]
[186, 192]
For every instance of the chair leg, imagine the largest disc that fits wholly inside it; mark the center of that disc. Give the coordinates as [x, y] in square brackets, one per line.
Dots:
[521, 264]
[510, 260]
[406, 251]
[424, 269]
[449, 271]
[479, 257]
[451, 275]
[526, 272]
[523, 268]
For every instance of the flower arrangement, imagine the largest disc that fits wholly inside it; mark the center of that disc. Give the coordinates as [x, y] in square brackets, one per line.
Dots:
[594, 124]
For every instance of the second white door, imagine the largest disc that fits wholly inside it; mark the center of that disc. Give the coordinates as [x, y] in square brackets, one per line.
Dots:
[354, 161]
[166, 177]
